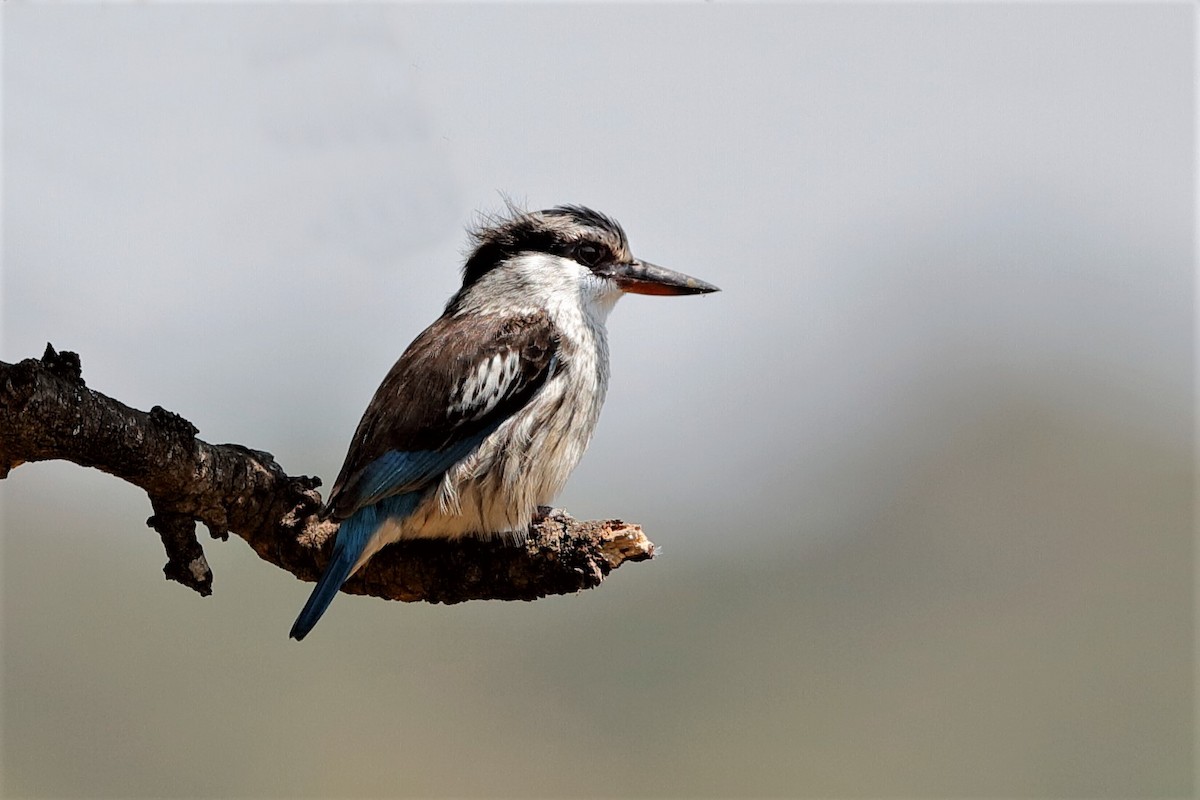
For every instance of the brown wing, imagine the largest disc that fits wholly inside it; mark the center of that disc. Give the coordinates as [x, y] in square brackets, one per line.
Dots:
[454, 385]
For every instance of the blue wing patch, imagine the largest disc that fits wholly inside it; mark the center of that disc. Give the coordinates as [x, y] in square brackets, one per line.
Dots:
[397, 472]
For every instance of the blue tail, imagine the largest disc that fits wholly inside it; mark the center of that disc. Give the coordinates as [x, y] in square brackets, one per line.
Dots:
[352, 539]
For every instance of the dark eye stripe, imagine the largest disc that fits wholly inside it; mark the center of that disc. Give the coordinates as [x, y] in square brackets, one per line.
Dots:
[558, 231]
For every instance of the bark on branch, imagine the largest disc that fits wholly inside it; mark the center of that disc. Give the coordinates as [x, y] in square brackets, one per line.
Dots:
[46, 412]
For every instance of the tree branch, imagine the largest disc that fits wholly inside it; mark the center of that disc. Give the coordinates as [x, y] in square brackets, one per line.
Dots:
[47, 412]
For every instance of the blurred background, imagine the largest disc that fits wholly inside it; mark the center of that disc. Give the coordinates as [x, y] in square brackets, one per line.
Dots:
[921, 474]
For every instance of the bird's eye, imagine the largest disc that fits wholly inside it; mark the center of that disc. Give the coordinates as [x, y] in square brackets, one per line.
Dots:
[588, 254]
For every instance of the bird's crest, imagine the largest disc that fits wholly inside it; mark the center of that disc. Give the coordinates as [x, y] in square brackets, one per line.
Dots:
[496, 237]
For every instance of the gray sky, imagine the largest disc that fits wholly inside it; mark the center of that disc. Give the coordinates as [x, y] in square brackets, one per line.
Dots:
[921, 472]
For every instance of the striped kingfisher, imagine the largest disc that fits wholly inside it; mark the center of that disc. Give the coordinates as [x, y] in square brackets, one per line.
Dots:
[487, 412]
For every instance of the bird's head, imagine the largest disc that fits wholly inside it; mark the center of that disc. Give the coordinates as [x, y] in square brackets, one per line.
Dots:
[569, 245]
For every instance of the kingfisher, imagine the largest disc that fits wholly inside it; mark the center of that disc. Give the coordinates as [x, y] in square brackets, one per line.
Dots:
[486, 413]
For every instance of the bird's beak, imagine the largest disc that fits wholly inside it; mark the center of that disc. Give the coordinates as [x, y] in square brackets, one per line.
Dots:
[641, 277]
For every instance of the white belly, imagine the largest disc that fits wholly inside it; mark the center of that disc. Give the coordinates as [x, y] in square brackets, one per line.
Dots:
[523, 465]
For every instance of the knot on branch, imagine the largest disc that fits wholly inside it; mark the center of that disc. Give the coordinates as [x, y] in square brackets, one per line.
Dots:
[64, 365]
[174, 425]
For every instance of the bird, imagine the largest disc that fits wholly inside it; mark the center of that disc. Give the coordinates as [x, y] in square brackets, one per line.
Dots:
[487, 412]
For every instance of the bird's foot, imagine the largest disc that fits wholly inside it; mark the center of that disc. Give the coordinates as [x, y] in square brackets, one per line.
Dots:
[543, 513]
